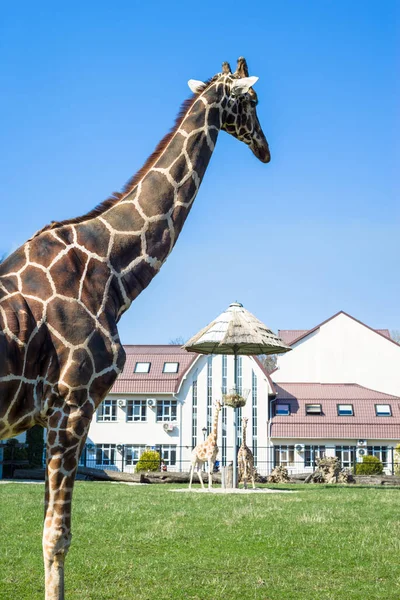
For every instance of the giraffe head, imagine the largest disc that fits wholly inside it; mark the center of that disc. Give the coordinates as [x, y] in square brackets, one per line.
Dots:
[245, 420]
[239, 112]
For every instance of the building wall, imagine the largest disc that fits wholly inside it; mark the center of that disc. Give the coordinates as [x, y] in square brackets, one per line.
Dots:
[151, 432]
[343, 351]
[297, 465]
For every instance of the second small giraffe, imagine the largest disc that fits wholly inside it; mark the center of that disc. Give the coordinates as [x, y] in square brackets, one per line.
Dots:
[246, 459]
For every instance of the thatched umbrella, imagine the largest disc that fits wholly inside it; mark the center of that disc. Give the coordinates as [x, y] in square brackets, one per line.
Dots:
[236, 331]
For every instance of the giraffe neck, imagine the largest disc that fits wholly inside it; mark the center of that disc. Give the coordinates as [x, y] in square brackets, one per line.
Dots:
[143, 226]
[244, 434]
[214, 432]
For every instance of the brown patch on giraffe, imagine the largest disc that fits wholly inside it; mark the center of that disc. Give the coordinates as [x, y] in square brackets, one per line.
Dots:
[174, 148]
[10, 282]
[139, 278]
[62, 313]
[66, 273]
[8, 389]
[37, 308]
[102, 384]
[158, 240]
[100, 349]
[44, 248]
[125, 247]
[196, 119]
[124, 217]
[188, 190]
[81, 369]
[35, 282]
[97, 275]
[164, 196]
[201, 153]
[94, 236]
[179, 217]
[179, 169]
[14, 262]
[23, 404]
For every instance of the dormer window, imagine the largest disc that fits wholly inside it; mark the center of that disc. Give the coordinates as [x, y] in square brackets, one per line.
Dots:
[383, 410]
[171, 367]
[313, 409]
[282, 410]
[345, 410]
[142, 367]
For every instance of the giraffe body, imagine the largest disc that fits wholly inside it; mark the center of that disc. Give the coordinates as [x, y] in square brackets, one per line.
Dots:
[245, 459]
[63, 292]
[206, 452]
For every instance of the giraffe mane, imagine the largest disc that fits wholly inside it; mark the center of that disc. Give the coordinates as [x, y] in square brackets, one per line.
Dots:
[133, 181]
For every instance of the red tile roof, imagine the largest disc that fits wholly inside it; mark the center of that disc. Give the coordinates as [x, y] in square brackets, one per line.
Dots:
[363, 425]
[290, 336]
[155, 381]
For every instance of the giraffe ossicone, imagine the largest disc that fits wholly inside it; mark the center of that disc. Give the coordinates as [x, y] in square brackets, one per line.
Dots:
[63, 292]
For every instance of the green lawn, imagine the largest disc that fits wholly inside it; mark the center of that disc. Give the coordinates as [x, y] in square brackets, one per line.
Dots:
[147, 543]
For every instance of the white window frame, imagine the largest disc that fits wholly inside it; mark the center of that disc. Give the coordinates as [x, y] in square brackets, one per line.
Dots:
[168, 412]
[379, 413]
[130, 407]
[166, 451]
[167, 368]
[132, 454]
[345, 414]
[108, 455]
[140, 369]
[284, 455]
[313, 413]
[107, 411]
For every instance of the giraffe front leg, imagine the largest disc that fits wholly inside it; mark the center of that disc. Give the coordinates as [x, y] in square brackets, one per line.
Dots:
[200, 476]
[66, 437]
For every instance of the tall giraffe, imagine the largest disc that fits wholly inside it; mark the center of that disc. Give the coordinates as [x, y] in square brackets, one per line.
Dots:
[206, 452]
[63, 292]
[245, 459]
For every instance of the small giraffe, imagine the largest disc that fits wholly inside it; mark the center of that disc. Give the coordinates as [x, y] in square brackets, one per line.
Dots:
[245, 459]
[63, 292]
[206, 452]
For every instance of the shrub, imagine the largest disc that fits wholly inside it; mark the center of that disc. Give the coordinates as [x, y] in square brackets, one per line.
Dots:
[397, 460]
[371, 465]
[149, 461]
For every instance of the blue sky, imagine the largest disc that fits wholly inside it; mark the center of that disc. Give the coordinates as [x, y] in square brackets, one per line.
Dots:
[92, 87]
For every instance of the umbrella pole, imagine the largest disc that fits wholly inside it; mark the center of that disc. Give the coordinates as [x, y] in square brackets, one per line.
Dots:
[235, 428]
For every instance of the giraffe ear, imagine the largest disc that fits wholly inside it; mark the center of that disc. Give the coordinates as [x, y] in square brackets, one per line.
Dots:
[242, 85]
[195, 85]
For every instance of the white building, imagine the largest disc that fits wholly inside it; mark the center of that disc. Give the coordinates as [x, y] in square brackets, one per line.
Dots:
[164, 399]
[337, 394]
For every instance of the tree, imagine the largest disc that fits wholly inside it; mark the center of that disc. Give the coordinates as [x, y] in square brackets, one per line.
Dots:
[178, 341]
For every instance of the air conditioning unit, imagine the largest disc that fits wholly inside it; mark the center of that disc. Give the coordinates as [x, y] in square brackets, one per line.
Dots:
[122, 403]
[361, 443]
[361, 452]
[151, 402]
[299, 447]
[169, 426]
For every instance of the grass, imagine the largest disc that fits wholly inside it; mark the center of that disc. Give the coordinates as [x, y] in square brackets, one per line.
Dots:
[146, 543]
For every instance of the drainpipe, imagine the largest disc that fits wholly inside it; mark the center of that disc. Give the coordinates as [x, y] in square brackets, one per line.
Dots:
[269, 428]
[180, 429]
